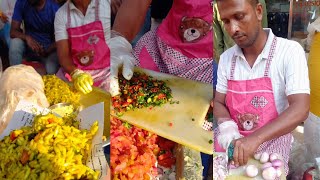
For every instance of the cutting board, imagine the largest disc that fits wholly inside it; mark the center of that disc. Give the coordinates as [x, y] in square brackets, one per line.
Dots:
[178, 122]
[240, 172]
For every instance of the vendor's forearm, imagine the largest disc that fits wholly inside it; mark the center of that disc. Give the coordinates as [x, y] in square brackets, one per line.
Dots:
[67, 64]
[220, 110]
[64, 56]
[130, 17]
[287, 121]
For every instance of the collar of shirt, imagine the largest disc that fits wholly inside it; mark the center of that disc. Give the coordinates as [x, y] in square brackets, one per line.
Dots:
[91, 5]
[265, 52]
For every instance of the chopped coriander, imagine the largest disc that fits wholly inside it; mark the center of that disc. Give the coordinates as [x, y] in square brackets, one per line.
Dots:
[127, 125]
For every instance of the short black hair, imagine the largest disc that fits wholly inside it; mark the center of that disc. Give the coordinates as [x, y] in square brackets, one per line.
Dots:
[254, 3]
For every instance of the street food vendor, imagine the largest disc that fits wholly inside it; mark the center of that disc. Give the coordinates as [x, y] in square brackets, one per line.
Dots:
[82, 28]
[262, 93]
[182, 45]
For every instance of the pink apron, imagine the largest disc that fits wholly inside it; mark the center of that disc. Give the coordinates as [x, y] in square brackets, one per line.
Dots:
[251, 105]
[182, 45]
[89, 50]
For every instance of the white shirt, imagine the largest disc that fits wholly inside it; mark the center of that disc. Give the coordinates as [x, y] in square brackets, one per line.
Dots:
[288, 69]
[7, 7]
[78, 19]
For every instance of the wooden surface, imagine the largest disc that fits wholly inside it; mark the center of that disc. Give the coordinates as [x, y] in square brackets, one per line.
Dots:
[194, 101]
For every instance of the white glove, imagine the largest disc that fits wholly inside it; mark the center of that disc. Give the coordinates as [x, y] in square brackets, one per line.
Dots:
[121, 57]
[228, 132]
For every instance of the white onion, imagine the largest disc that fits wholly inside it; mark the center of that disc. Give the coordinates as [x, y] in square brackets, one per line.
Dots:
[257, 156]
[269, 173]
[252, 171]
[277, 163]
[274, 156]
[266, 165]
[278, 172]
[264, 157]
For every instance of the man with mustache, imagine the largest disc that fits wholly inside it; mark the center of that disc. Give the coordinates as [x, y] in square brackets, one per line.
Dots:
[263, 89]
[222, 40]
[36, 43]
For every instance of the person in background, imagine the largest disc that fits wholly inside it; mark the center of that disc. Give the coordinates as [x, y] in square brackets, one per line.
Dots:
[263, 89]
[37, 42]
[222, 40]
[6, 12]
[82, 28]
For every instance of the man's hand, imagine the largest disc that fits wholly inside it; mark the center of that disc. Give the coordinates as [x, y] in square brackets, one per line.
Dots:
[121, 57]
[244, 148]
[228, 132]
[4, 18]
[82, 81]
[34, 45]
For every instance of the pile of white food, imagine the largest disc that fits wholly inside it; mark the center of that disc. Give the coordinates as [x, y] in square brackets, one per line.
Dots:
[219, 165]
[17, 83]
[166, 173]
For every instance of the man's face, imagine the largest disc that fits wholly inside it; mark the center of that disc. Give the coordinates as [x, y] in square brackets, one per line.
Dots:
[34, 2]
[242, 21]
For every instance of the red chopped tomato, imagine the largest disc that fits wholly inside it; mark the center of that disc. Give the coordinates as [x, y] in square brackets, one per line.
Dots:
[125, 104]
[161, 96]
[116, 104]
[166, 155]
[13, 136]
[132, 153]
[167, 162]
[50, 120]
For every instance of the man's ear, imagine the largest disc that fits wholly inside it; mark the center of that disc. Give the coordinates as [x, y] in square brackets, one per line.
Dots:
[259, 11]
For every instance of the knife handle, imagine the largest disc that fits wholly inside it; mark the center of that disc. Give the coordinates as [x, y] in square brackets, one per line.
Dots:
[230, 152]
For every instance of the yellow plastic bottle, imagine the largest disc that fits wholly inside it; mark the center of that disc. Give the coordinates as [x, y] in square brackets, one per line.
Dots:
[314, 75]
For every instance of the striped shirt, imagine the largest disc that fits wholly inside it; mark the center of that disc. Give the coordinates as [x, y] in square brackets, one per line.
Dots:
[288, 70]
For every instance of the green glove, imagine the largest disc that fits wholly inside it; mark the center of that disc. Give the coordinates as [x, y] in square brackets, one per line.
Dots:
[82, 81]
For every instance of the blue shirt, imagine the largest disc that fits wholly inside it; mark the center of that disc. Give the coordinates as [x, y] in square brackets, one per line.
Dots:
[38, 24]
[214, 75]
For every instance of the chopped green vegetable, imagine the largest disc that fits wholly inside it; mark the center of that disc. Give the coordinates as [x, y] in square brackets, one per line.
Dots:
[210, 141]
[127, 125]
[139, 92]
